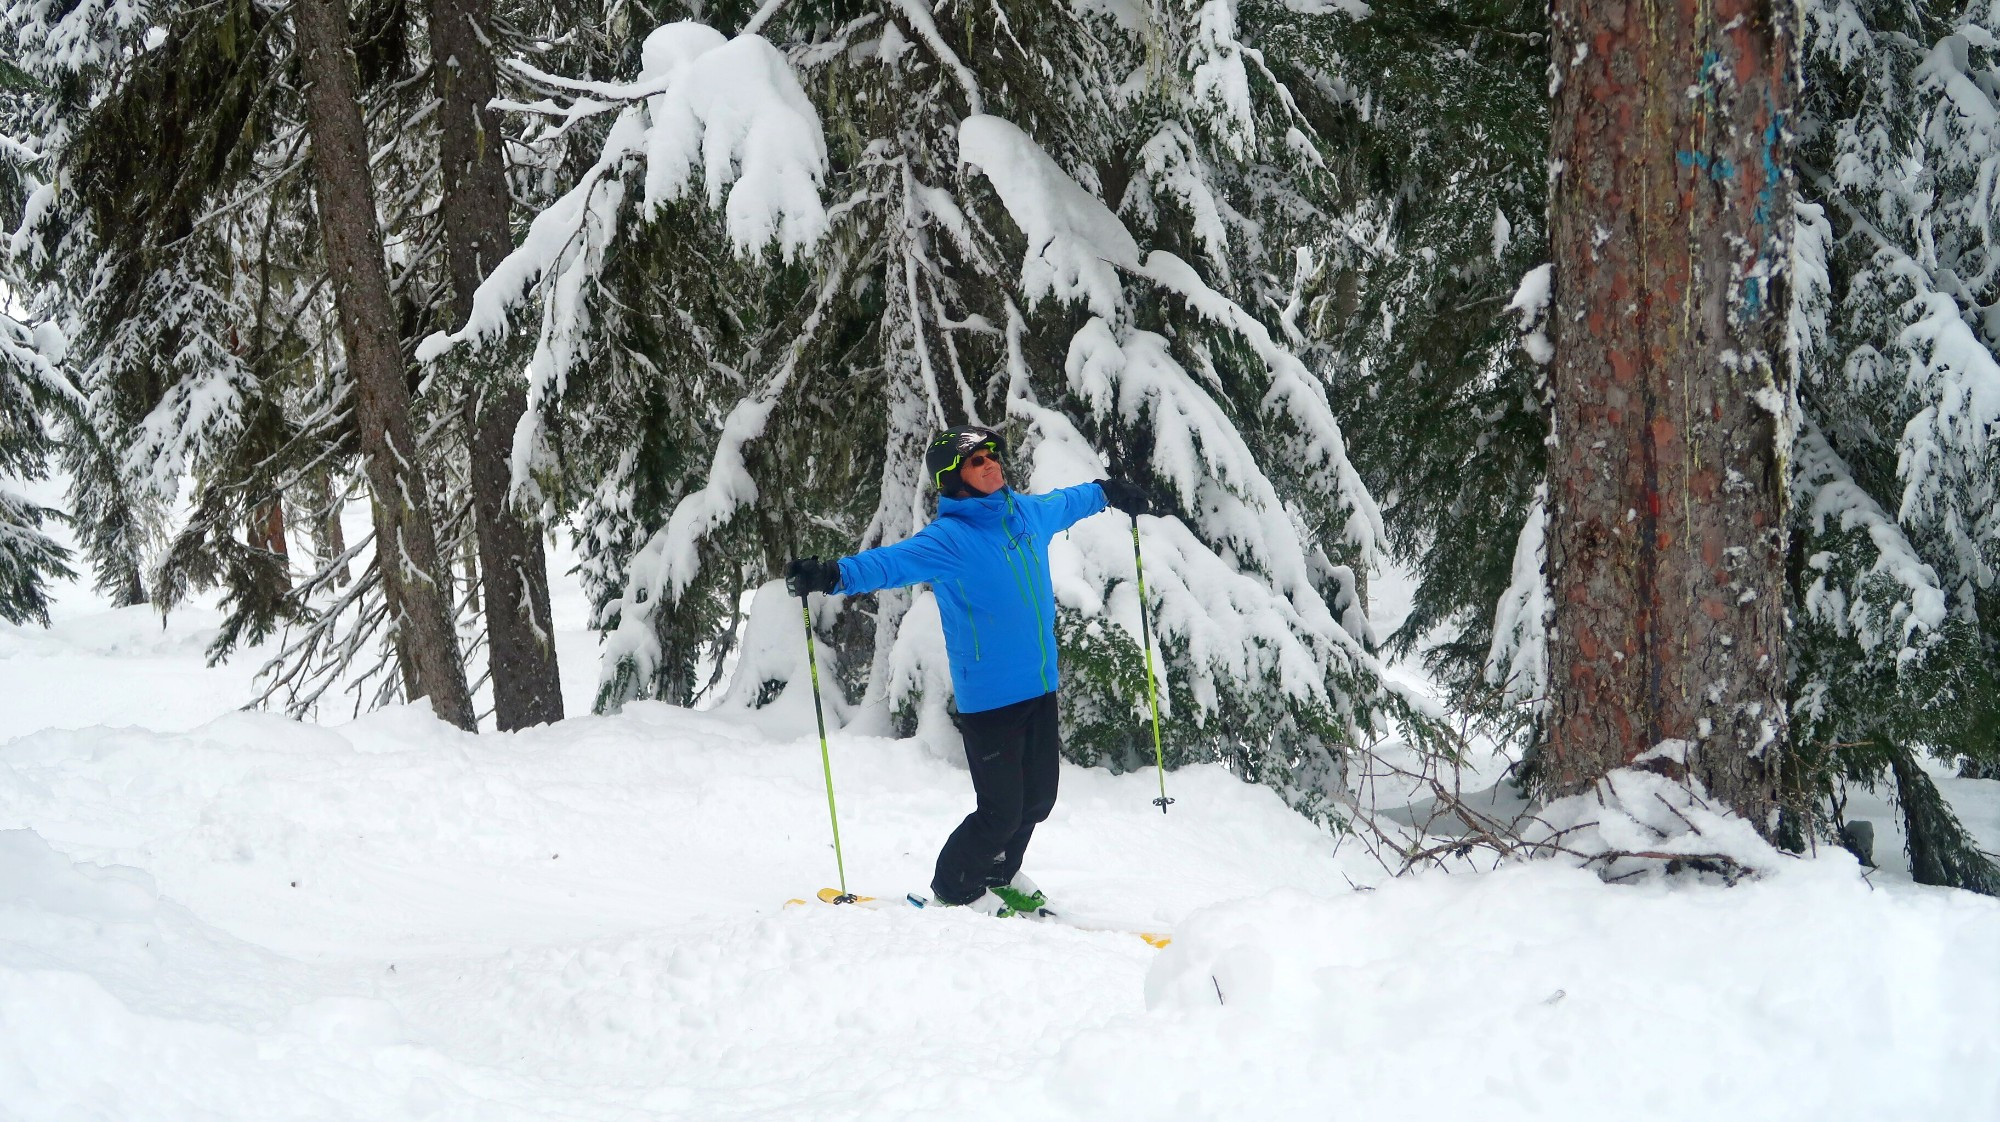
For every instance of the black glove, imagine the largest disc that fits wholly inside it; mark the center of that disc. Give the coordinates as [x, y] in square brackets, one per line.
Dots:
[810, 574]
[1127, 497]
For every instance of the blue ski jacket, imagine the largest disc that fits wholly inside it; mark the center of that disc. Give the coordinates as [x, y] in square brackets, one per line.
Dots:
[987, 562]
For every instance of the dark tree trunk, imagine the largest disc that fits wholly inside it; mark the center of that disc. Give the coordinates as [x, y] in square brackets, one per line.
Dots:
[520, 640]
[413, 576]
[1671, 207]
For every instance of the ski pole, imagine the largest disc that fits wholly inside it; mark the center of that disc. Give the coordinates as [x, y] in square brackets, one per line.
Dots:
[1152, 690]
[825, 759]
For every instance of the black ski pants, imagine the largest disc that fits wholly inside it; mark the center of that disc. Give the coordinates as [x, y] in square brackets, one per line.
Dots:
[1012, 752]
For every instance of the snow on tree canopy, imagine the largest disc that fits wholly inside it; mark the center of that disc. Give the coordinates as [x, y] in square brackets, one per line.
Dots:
[1835, 498]
[732, 106]
[723, 413]
[1950, 367]
[737, 103]
[1075, 244]
[1076, 248]
[1531, 299]
[1894, 475]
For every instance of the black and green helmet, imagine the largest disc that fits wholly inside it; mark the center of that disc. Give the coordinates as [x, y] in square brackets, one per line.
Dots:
[950, 448]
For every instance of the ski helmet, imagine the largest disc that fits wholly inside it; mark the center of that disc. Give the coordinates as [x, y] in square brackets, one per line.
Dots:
[950, 448]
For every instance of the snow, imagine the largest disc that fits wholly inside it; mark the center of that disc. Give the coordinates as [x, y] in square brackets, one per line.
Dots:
[1171, 162]
[1076, 250]
[1075, 244]
[232, 915]
[1218, 82]
[116, 667]
[918, 13]
[1517, 663]
[1545, 995]
[664, 567]
[737, 104]
[1950, 367]
[733, 108]
[1531, 299]
[1827, 485]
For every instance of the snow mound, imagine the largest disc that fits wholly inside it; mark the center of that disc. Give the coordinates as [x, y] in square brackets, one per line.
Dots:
[1637, 822]
[1540, 992]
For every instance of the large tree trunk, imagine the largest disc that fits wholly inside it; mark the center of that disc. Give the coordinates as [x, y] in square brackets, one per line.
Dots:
[1671, 212]
[520, 641]
[405, 541]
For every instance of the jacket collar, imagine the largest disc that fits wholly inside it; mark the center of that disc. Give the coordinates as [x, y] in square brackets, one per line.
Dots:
[988, 510]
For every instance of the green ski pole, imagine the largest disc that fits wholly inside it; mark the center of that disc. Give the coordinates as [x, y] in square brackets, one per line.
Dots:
[1152, 690]
[825, 759]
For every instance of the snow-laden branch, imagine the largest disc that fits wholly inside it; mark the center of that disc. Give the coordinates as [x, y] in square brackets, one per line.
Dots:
[1171, 161]
[1812, 287]
[40, 203]
[1295, 392]
[1076, 250]
[1075, 244]
[1953, 370]
[1200, 452]
[1531, 299]
[1233, 626]
[733, 108]
[1829, 494]
[16, 150]
[34, 352]
[670, 560]
[1217, 81]
[1947, 452]
[918, 13]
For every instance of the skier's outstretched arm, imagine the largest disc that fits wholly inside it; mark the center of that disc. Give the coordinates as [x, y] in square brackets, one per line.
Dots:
[1066, 506]
[923, 556]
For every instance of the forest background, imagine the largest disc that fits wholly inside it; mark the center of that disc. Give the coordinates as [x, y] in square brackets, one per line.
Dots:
[695, 284]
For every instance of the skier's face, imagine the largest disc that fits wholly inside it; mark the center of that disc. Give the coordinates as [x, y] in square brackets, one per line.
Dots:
[981, 471]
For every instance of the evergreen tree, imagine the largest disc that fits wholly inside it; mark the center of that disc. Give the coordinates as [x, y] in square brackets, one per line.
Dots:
[190, 268]
[1890, 646]
[473, 210]
[170, 254]
[1440, 119]
[30, 387]
[413, 573]
[984, 182]
[1896, 476]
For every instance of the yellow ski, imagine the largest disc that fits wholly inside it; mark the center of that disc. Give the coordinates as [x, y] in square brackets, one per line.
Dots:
[836, 896]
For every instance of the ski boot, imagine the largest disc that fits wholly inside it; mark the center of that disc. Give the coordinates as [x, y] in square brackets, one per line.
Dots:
[1022, 896]
[986, 903]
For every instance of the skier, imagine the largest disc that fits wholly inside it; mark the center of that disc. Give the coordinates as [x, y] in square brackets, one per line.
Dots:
[986, 558]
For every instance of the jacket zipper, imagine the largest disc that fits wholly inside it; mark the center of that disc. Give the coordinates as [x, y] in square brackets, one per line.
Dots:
[1026, 595]
[970, 618]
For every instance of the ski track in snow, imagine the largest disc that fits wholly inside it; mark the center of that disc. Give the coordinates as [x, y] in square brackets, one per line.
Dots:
[218, 915]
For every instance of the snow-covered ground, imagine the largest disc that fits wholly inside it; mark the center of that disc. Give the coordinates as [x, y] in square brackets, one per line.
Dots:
[207, 914]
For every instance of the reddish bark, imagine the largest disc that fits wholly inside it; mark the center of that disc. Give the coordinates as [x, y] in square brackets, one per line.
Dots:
[267, 532]
[1670, 210]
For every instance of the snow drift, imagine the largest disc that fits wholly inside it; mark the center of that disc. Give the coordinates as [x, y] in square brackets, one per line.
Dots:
[396, 920]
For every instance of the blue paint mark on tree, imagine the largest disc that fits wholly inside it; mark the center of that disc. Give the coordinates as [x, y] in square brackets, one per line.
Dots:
[1718, 168]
